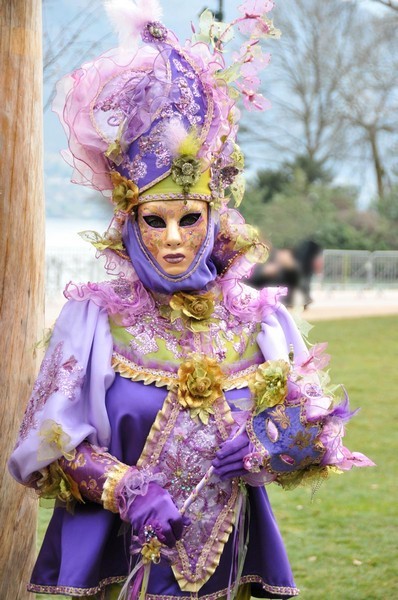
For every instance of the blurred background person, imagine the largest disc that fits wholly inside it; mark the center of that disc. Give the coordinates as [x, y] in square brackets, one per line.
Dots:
[309, 259]
[291, 268]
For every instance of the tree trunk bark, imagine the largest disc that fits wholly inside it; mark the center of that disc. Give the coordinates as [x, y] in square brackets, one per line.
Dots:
[21, 269]
[379, 171]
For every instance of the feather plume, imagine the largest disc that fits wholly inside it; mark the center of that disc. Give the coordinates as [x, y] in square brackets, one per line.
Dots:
[191, 144]
[129, 18]
[179, 141]
[174, 135]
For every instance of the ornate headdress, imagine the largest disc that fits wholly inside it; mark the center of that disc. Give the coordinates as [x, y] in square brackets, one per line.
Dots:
[156, 120]
[153, 119]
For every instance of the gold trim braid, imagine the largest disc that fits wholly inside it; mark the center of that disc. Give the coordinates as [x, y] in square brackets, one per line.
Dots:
[148, 375]
[114, 476]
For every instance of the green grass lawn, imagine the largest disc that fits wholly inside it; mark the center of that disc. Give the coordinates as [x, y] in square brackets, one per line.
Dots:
[343, 544]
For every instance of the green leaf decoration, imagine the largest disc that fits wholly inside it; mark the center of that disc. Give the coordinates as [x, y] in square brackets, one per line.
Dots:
[238, 189]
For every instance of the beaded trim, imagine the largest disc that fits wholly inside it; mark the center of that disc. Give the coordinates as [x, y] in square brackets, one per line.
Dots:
[82, 592]
[174, 196]
[273, 589]
[160, 377]
[74, 591]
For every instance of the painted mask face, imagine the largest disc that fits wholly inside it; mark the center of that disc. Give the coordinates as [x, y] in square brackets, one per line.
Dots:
[173, 232]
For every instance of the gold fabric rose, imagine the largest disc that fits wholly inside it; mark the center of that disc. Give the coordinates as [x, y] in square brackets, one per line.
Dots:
[270, 384]
[194, 310]
[200, 383]
[125, 193]
[151, 551]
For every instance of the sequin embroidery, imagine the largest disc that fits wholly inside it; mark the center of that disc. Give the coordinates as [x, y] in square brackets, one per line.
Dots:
[56, 375]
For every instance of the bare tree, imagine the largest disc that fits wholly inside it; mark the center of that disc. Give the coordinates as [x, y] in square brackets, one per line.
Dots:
[69, 44]
[309, 63]
[369, 99]
[388, 3]
[336, 98]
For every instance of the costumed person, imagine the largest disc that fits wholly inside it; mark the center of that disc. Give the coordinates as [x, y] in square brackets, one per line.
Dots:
[171, 393]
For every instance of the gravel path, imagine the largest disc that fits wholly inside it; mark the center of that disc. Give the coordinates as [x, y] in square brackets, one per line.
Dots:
[348, 304]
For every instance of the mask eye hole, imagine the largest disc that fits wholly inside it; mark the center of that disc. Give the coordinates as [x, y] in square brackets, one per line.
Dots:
[154, 221]
[190, 219]
[287, 459]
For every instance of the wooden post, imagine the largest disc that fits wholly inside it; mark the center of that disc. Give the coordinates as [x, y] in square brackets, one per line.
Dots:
[21, 270]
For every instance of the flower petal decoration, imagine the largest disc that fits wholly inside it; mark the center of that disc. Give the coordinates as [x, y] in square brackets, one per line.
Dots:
[111, 239]
[194, 309]
[55, 484]
[200, 384]
[125, 193]
[270, 384]
[54, 441]
[316, 360]
[185, 171]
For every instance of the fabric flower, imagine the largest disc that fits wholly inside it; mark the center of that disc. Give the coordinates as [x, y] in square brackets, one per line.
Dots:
[125, 193]
[270, 386]
[194, 310]
[256, 7]
[252, 100]
[54, 441]
[254, 461]
[151, 551]
[55, 483]
[317, 405]
[114, 152]
[257, 27]
[316, 360]
[185, 171]
[332, 439]
[154, 32]
[111, 239]
[254, 60]
[200, 382]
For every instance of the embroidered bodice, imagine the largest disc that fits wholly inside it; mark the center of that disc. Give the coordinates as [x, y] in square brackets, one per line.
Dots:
[152, 347]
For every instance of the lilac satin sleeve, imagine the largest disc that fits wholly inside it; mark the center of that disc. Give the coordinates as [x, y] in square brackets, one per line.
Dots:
[67, 404]
[279, 334]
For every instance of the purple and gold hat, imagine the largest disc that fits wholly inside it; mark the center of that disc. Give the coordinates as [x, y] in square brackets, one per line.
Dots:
[153, 119]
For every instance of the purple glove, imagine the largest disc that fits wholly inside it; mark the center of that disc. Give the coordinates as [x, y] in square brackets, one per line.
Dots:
[229, 461]
[157, 508]
[134, 493]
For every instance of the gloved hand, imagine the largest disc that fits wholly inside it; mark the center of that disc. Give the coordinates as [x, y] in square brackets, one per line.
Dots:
[229, 458]
[157, 508]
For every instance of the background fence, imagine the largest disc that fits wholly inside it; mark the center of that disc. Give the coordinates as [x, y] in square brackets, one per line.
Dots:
[357, 268]
[342, 269]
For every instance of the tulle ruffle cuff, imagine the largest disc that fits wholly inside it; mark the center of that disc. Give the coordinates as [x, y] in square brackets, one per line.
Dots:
[133, 483]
